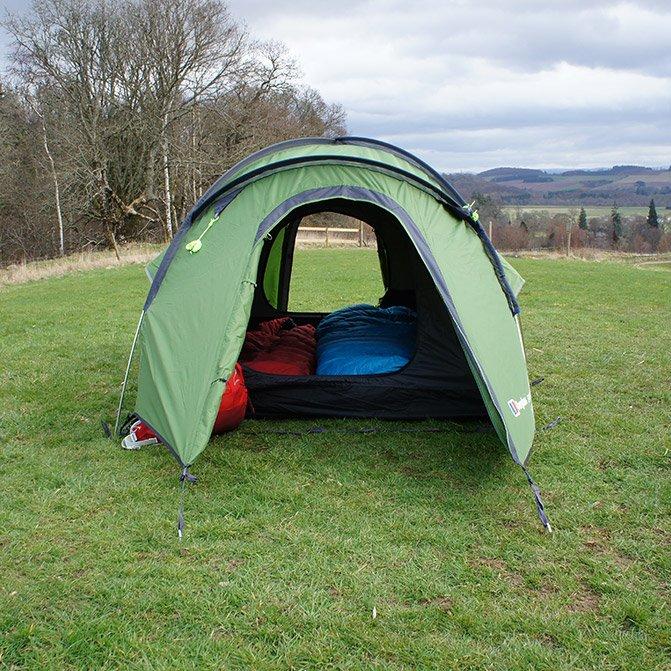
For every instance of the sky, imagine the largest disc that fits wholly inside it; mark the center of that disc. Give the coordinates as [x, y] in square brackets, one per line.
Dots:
[474, 85]
[470, 85]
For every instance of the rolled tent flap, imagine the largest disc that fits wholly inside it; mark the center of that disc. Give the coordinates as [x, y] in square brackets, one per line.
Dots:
[515, 280]
[195, 322]
[152, 267]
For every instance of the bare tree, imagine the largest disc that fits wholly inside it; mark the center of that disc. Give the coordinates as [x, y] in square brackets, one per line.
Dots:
[74, 48]
[191, 49]
[139, 105]
[54, 174]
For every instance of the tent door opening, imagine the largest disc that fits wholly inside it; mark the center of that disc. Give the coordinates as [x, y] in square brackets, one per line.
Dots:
[435, 383]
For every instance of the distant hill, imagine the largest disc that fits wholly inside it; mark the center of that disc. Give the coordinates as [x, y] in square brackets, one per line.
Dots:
[625, 184]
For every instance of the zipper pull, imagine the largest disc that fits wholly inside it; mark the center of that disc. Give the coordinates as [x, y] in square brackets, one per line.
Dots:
[195, 245]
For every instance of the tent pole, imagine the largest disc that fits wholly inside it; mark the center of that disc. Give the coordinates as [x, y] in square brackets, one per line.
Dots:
[125, 377]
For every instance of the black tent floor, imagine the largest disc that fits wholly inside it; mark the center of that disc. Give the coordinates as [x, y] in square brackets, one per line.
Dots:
[393, 396]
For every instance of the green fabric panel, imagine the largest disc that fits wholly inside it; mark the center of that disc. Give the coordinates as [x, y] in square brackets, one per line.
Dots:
[338, 151]
[271, 277]
[197, 315]
[515, 280]
[152, 267]
[193, 331]
[490, 328]
[492, 411]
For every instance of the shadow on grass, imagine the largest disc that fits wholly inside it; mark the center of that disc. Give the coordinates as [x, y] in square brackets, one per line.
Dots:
[427, 455]
[431, 475]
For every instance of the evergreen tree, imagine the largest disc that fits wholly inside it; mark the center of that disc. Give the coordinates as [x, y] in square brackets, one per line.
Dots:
[582, 219]
[652, 219]
[616, 221]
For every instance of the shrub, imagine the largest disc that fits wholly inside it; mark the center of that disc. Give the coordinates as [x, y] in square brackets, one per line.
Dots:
[510, 237]
[645, 239]
[664, 244]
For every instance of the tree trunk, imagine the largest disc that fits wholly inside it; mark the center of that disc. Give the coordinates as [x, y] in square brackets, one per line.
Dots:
[166, 179]
[100, 170]
[569, 230]
[175, 218]
[112, 239]
[57, 190]
[194, 188]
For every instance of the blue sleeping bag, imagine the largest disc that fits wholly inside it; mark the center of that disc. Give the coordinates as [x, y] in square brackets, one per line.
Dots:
[365, 340]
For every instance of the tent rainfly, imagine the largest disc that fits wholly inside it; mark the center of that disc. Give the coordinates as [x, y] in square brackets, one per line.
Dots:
[228, 267]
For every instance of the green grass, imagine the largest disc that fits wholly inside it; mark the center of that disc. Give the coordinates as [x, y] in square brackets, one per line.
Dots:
[661, 265]
[324, 280]
[591, 210]
[292, 542]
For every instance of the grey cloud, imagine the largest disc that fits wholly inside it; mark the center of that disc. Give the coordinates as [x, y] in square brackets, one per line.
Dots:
[472, 85]
[594, 35]
[554, 148]
[483, 118]
[475, 84]
[525, 34]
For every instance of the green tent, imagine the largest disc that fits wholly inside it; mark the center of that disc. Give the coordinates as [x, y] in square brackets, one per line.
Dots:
[237, 243]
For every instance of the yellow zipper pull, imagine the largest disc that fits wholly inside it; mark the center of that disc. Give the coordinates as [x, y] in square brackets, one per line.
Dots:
[473, 214]
[196, 244]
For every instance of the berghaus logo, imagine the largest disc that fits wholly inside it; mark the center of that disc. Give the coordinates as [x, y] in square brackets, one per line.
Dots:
[516, 406]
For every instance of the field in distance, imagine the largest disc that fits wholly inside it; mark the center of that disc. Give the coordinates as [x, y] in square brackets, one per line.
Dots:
[592, 210]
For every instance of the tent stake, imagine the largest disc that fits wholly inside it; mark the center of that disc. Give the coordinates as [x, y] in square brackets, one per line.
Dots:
[540, 508]
[184, 477]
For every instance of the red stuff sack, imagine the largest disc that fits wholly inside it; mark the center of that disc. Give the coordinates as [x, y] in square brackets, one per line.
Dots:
[233, 403]
[231, 412]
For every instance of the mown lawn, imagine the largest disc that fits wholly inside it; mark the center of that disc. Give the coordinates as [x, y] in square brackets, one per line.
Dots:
[291, 543]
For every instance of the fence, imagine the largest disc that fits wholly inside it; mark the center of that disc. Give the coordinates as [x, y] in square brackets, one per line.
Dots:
[326, 236]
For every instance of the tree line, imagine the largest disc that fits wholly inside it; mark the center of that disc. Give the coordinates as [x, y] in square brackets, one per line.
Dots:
[539, 229]
[116, 116]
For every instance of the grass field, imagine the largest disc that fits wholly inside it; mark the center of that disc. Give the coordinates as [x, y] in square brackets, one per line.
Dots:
[292, 544]
[591, 210]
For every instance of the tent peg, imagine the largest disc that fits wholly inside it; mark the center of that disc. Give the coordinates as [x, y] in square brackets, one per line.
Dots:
[184, 477]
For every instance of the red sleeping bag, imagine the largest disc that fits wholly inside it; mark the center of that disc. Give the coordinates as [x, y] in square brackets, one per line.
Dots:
[279, 347]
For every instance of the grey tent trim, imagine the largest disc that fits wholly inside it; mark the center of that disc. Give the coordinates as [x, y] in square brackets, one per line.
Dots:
[350, 140]
[453, 200]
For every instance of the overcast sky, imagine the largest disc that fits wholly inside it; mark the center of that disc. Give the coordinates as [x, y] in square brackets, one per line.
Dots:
[471, 85]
